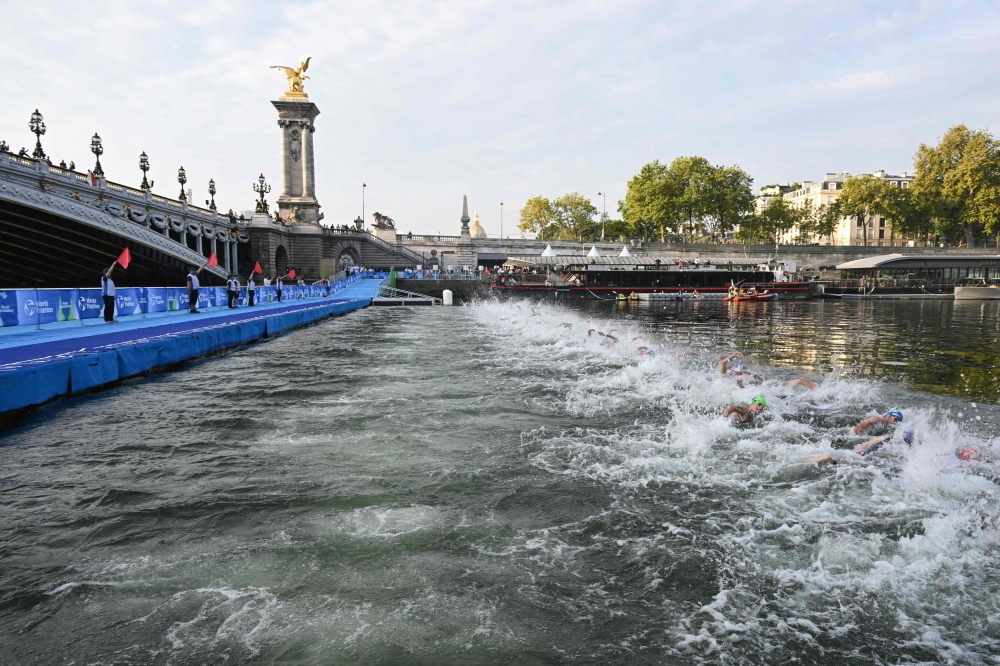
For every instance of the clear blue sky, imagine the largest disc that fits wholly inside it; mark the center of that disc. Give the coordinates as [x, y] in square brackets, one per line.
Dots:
[498, 100]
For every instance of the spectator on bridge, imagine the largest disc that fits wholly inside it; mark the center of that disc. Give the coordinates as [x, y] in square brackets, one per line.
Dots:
[22, 153]
[62, 164]
[4, 148]
[72, 165]
[108, 292]
[251, 290]
[193, 285]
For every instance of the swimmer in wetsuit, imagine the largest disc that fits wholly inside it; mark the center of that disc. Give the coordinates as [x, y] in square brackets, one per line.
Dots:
[746, 414]
[891, 417]
[735, 370]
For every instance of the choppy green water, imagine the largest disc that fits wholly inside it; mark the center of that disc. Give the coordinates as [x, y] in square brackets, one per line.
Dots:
[486, 484]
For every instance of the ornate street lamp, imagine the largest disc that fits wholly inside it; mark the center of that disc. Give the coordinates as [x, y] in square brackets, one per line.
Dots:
[37, 127]
[211, 192]
[182, 178]
[144, 165]
[98, 150]
[261, 188]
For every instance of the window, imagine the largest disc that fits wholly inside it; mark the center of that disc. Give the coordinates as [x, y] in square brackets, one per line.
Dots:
[905, 184]
[871, 233]
[859, 233]
[881, 222]
[881, 234]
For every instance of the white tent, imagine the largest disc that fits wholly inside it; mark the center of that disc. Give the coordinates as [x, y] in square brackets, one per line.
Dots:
[593, 252]
[549, 252]
[625, 252]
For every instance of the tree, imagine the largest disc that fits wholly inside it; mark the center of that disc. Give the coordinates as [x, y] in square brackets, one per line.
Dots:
[689, 176]
[959, 180]
[574, 215]
[817, 221]
[538, 217]
[729, 198]
[650, 201]
[777, 218]
[864, 197]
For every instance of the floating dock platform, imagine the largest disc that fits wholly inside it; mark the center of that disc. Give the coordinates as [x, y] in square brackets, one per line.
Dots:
[66, 358]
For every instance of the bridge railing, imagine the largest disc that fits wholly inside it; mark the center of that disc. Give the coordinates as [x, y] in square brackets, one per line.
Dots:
[35, 307]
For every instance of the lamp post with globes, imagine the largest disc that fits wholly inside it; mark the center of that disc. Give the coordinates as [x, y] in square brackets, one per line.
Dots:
[604, 215]
[37, 127]
[211, 193]
[98, 150]
[501, 220]
[363, 186]
[147, 185]
[182, 179]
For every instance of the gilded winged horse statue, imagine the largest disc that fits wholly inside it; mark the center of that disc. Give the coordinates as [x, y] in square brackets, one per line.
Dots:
[295, 78]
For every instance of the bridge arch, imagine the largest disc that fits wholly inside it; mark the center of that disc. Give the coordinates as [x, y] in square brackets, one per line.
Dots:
[349, 257]
[281, 260]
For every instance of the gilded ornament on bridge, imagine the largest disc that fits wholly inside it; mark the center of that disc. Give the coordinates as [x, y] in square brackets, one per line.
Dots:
[296, 75]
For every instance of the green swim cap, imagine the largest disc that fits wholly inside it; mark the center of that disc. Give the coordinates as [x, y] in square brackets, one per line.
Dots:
[759, 401]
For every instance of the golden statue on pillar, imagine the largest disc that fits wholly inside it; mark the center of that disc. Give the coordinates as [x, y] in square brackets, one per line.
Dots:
[295, 78]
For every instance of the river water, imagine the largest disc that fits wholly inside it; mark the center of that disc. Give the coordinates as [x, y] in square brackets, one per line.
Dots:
[490, 484]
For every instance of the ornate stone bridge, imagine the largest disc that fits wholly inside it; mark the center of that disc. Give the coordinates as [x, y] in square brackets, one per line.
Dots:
[58, 230]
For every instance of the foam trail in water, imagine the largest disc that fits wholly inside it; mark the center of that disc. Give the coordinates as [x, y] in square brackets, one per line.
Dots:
[900, 543]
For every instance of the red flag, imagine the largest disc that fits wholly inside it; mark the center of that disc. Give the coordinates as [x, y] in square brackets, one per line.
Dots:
[291, 273]
[213, 260]
[125, 258]
[256, 268]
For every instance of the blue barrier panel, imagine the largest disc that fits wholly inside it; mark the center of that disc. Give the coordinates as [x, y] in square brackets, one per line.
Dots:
[156, 299]
[204, 298]
[93, 370]
[8, 307]
[89, 303]
[66, 309]
[127, 301]
[36, 306]
[177, 298]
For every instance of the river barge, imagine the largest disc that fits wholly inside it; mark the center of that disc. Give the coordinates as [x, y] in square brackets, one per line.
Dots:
[607, 277]
[916, 276]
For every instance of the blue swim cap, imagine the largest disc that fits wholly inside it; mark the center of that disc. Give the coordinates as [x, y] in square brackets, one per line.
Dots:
[908, 437]
[895, 413]
[739, 367]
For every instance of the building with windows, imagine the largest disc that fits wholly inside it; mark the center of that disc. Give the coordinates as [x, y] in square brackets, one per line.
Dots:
[848, 231]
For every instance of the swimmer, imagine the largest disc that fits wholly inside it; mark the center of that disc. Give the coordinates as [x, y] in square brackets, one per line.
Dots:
[746, 414]
[645, 351]
[736, 370]
[891, 417]
[801, 382]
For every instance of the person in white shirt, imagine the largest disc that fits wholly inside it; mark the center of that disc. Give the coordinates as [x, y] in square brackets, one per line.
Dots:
[192, 285]
[108, 292]
[232, 290]
[251, 290]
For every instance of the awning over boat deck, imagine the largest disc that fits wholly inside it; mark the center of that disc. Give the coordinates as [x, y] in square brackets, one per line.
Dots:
[574, 260]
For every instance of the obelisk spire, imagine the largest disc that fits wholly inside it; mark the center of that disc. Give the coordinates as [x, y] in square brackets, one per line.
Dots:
[465, 213]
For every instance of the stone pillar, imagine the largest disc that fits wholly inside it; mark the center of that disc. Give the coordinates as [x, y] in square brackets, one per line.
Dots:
[308, 170]
[200, 236]
[214, 251]
[285, 158]
[236, 259]
[184, 236]
[297, 203]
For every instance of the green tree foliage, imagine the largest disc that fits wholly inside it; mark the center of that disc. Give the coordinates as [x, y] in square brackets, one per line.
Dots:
[538, 217]
[958, 183]
[864, 197]
[688, 194]
[570, 217]
[777, 218]
[651, 201]
[729, 199]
